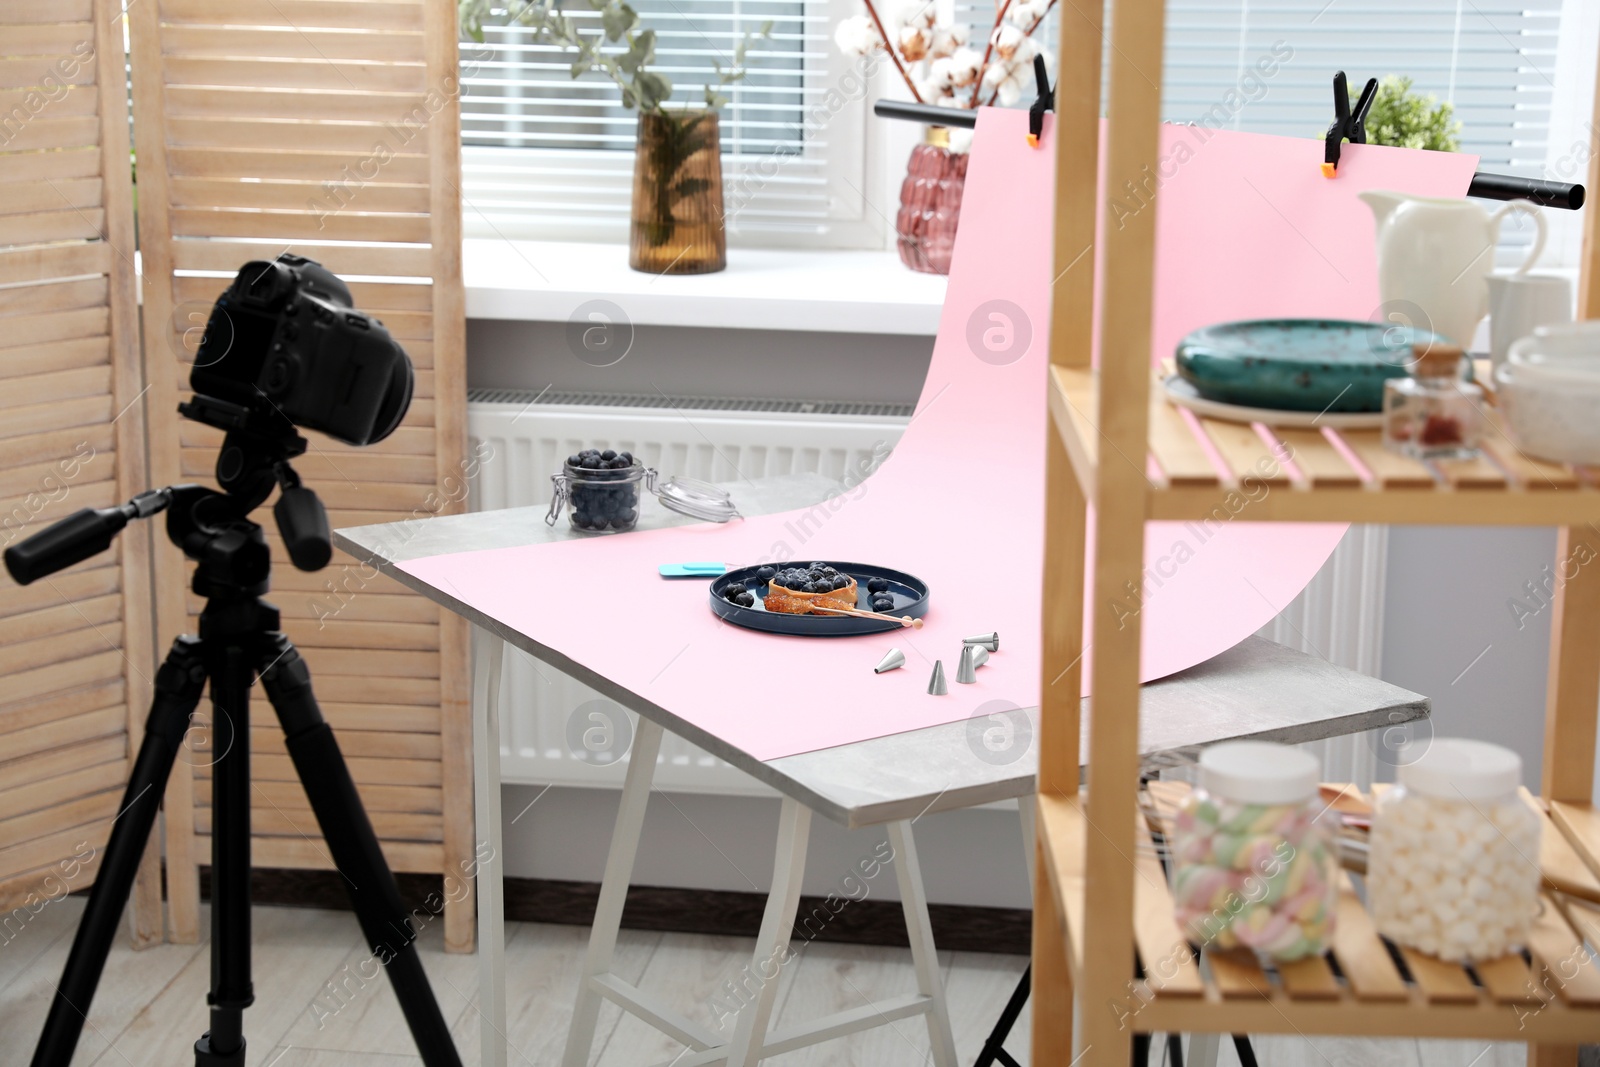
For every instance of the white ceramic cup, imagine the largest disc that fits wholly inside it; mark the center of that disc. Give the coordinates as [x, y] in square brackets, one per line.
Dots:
[1521, 303]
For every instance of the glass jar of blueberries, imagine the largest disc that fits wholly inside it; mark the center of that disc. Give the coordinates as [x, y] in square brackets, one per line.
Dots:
[600, 489]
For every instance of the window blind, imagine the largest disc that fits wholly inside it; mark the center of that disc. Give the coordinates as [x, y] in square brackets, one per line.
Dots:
[1494, 60]
[552, 156]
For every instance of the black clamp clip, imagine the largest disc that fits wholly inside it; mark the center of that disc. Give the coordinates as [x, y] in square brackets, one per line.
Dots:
[1347, 125]
[1045, 102]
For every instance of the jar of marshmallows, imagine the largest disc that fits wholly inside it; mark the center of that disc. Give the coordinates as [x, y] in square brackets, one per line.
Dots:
[1253, 863]
[1453, 867]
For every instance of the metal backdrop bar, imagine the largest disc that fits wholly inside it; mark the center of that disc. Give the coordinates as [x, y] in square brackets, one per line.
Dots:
[1489, 186]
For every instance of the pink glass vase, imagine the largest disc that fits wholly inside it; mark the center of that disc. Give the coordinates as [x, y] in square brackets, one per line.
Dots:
[930, 204]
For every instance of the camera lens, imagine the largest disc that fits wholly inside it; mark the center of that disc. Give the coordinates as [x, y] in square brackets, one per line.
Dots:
[396, 398]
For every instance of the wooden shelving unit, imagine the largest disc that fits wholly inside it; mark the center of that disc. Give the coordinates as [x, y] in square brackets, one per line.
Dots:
[1105, 942]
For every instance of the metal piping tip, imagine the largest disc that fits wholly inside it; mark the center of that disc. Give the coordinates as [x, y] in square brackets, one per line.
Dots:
[967, 669]
[980, 655]
[892, 659]
[990, 641]
[936, 686]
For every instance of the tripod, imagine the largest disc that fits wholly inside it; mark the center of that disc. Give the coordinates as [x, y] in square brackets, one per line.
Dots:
[238, 641]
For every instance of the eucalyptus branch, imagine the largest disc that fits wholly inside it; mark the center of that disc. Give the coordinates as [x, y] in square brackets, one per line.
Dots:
[619, 29]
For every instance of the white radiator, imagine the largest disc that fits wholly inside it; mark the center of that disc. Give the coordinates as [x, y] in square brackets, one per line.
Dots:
[547, 716]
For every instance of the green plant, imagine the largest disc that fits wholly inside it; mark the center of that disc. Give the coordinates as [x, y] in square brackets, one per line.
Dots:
[1408, 119]
[623, 51]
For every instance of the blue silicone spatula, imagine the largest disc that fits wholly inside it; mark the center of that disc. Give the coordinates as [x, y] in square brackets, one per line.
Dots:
[692, 570]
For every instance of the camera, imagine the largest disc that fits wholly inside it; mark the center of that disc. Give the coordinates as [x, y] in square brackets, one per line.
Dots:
[286, 334]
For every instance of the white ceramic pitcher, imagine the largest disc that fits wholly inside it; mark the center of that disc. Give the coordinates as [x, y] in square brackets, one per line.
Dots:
[1437, 254]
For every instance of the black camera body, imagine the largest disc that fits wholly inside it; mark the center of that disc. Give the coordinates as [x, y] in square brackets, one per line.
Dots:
[287, 334]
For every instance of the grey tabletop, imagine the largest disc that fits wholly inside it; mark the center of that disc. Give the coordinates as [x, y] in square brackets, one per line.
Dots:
[1258, 689]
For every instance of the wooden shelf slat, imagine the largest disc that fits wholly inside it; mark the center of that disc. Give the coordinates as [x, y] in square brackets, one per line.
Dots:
[1440, 982]
[1245, 452]
[1508, 980]
[1317, 459]
[1169, 965]
[1237, 974]
[1530, 473]
[1362, 956]
[1309, 979]
[1181, 457]
[1567, 966]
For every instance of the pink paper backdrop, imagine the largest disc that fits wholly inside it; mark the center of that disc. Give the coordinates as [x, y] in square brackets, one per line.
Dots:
[960, 501]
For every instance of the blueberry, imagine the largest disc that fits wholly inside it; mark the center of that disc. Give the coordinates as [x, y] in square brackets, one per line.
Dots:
[580, 519]
[574, 461]
[626, 456]
[747, 600]
[618, 463]
[803, 587]
[882, 603]
[626, 518]
[765, 573]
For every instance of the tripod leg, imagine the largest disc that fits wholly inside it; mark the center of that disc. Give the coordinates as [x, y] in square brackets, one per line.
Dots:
[231, 988]
[354, 846]
[178, 686]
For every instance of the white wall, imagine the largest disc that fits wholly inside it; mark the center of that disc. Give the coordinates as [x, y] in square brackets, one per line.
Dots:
[1450, 601]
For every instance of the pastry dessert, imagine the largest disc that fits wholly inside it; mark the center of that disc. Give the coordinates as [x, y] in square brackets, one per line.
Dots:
[801, 590]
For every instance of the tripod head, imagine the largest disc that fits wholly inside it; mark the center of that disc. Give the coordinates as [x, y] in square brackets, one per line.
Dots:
[284, 346]
[212, 528]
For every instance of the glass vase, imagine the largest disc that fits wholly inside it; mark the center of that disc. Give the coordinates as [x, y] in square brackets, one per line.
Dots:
[930, 203]
[677, 225]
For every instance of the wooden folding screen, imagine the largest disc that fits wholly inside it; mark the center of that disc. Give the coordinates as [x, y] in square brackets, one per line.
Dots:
[331, 129]
[75, 648]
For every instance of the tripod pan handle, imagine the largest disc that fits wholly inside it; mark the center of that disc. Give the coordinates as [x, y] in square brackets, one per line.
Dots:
[84, 533]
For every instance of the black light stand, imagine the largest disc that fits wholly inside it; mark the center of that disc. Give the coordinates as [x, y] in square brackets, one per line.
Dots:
[238, 642]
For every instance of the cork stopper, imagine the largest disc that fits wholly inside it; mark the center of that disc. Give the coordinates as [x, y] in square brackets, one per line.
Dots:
[1437, 359]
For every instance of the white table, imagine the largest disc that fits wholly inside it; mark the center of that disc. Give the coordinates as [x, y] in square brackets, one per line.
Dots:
[1258, 689]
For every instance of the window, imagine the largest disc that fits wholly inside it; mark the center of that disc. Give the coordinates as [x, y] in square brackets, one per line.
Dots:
[1494, 60]
[551, 157]
[546, 155]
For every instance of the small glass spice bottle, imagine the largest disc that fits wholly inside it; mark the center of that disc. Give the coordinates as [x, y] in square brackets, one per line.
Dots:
[1433, 414]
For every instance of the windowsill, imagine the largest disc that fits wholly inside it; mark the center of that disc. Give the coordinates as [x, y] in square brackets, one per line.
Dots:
[766, 289]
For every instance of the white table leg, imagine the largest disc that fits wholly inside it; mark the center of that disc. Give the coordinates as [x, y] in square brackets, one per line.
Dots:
[1030, 843]
[777, 926]
[491, 867]
[1203, 1050]
[930, 983]
[613, 890]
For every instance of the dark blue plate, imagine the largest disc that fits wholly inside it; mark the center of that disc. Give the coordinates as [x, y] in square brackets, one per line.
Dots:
[910, 598]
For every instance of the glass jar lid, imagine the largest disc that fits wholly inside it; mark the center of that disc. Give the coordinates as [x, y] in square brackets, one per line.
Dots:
[1259, 772]
[1454, 768]
[697, 499]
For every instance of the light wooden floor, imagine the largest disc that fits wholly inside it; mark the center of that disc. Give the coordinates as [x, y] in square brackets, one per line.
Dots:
[317, 1006]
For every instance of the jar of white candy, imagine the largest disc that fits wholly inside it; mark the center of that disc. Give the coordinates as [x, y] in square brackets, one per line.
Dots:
[1252, 858]
[1454, 863]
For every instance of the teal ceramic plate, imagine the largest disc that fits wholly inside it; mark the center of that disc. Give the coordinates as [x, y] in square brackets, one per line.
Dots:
[1312, 365]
